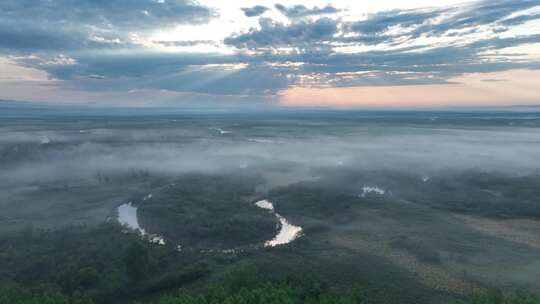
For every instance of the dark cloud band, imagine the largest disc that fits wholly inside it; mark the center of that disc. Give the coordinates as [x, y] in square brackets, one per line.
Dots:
[386, 48]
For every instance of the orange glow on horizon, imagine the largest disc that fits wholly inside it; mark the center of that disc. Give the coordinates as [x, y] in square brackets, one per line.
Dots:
[478, 89]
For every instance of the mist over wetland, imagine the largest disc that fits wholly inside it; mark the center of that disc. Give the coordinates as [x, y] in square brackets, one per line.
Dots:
[269, 152]
[445, 203]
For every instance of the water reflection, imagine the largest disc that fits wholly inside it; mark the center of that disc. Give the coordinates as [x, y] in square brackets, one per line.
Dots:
[127, 216]
[287, 232]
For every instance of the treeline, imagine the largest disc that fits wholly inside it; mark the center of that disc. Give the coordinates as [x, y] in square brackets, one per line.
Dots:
[495, 296]
[272, 294]
[12, 294]
[102, 265]
[269, 294]
[265, 294]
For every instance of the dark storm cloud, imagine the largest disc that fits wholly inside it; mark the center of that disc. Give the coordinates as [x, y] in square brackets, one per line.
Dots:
[275, 34]
[297, 11]
[254, 11]
[27, 25]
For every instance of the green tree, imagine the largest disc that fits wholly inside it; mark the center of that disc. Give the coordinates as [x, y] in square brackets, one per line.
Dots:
[87, 277]
[136, 260]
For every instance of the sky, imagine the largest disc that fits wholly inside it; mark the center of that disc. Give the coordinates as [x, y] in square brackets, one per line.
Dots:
[401, 53]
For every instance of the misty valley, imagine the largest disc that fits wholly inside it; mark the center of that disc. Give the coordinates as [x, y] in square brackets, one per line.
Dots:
[282, 206]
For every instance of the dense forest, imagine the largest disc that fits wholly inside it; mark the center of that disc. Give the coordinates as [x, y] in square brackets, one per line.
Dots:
[428, 223]
[66, 268]
[257, 293]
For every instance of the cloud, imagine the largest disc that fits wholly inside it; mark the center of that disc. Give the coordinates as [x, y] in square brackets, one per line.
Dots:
[520, 19]
[493, 80]
[479, 13]
[450, 21]
[175, 72]
[471, 89]
[184, 43]
[298, 11]
[274, 34]
[333, 53]
[124, 14]
[87, 45]
[254, 11]
[27, 25]
[29, 37]
[381, 22]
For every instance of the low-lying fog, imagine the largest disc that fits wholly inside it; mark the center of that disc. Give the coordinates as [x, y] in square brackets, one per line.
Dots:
[433, 193]
[68, 149]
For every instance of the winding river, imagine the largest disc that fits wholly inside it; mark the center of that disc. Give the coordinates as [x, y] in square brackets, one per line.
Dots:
[287, 232]
[127, 217]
